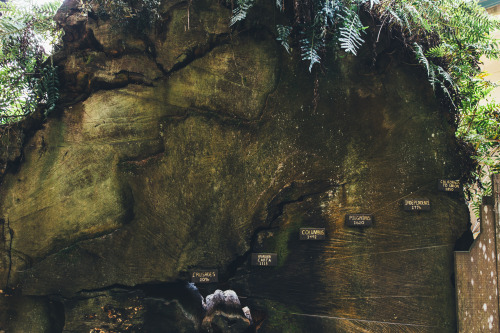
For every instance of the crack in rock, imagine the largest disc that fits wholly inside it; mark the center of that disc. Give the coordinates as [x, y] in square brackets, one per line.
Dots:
[8, 239]
[197, 52]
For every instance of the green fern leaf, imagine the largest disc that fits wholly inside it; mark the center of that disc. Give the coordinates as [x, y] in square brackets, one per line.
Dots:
[438, 51]
[283, 34]
[422, 59]
[445, 75]
[240, 12]
[430, 67]
[310, 49]
[350, 33]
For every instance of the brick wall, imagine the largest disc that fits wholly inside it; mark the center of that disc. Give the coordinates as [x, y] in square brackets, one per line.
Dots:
[476, 273]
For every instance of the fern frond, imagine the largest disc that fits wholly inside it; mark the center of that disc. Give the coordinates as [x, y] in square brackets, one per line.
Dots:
[279, 5]
[14, 20]
[283, 34]
[48, 88]
[445, 75]
[446, 78]
[408, 15]
[446, 91]
[8, 27]
[422, 59]
[394, 16]
[432, 77]
[372, 2]
[9, 11]
[240, 12]
[430, 67]
[438, 51]
[310, 49]
[50, 7]
[414, 16]
[328, 12]
[350, 33]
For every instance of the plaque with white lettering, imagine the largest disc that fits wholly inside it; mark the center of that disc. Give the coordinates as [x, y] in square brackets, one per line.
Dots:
[417, 204]
[205, 276]
[359, 220]
[312, 233]
[449, 185]
[264, 259]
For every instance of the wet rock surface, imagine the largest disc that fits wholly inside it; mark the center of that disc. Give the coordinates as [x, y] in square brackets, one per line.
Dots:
[181, 149]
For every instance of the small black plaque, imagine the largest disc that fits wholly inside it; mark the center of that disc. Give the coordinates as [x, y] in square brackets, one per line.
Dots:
[312, 233]
[448, 185]
[205, 276]
[264, 259]
[417, 204]
[359, 220]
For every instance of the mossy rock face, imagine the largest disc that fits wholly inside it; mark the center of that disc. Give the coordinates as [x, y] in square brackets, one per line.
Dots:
[189, 30]
[196, 161]
[19, 314]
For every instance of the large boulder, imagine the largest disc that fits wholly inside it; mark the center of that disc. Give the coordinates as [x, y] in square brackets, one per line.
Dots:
[185, 148]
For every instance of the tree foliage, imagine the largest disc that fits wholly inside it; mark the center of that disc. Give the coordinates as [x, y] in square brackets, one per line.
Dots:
[26, 80]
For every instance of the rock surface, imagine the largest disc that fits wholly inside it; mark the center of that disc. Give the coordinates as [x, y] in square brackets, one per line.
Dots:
[148, 308]
[191, 148]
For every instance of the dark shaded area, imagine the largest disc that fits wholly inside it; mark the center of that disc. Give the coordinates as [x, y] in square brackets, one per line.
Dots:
[31, 314]
[465, 241]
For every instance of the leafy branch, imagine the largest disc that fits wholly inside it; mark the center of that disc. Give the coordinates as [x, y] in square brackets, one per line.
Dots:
[25, 78]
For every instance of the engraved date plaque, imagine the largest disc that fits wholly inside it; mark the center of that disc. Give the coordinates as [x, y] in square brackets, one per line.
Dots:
[312, 233]
[417, 204]
[264, 259]
[448, 185]
[205, 276]
[359, 220]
